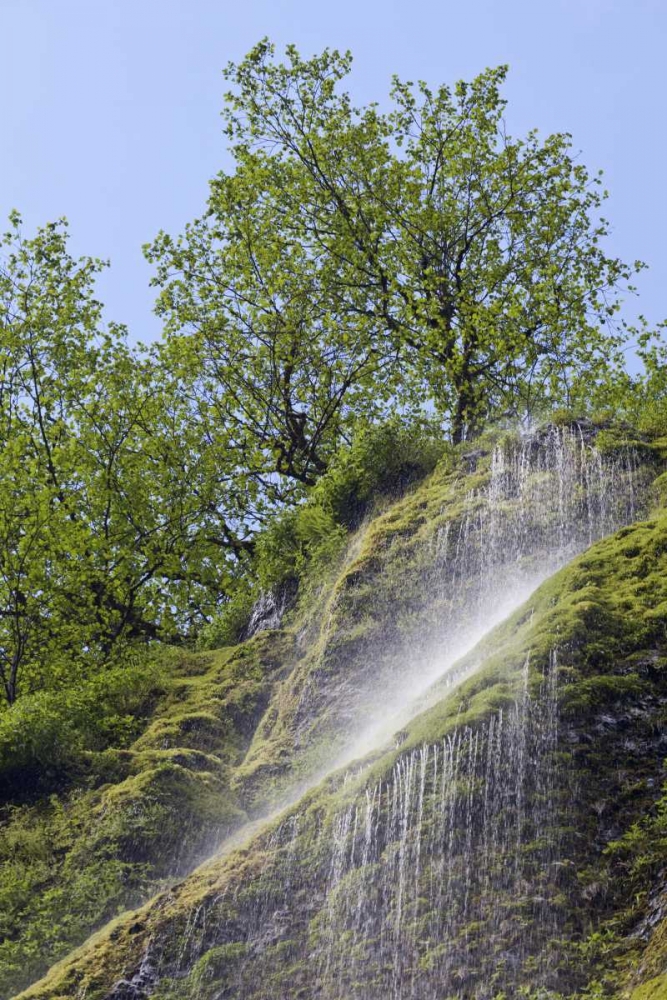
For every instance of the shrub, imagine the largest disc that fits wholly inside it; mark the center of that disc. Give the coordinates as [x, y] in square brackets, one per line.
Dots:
[382, 461]
[45, 737]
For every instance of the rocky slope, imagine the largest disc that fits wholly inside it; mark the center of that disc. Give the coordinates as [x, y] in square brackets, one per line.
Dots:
[510, 837]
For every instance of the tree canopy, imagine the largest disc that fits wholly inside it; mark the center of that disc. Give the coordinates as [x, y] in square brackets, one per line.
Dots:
[111, 505]
[358, 259]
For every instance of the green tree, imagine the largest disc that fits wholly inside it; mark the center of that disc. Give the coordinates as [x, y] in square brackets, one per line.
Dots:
[356, 260]
[355, 263]
[640, 397]
[48, 314]
[112, 507]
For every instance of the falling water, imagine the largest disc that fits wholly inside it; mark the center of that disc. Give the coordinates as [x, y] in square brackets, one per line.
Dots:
[549, 495]
[444, 880]
[458, 858]
[441, 880]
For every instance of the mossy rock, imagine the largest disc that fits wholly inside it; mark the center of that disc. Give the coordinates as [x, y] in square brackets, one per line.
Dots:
[655, 989]
[242, 727]
[150, 812]
[611, 640]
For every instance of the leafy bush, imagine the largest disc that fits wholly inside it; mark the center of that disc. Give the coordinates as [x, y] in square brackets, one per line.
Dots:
[305, 537]
[383, 460]
[45, 736]
[52, 890]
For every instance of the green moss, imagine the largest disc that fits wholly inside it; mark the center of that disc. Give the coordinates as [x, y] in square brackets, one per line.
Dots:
[69, 865]
[375, 604]
[49, 740]
[656, 989]
[604, 614]
[231, 735]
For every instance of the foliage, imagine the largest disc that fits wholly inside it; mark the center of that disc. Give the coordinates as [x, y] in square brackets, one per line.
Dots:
[302, 542]
[356, 271]
[641, 853]
[45, 736]
[47, 902]
[354, 264]
[123, 518]
[640, 399]
[300, 537]
[112, 516]
[355, 257]
[226, 627]
[381, 461]
[139, 811]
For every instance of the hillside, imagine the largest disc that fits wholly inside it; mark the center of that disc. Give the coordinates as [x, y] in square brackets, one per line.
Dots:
[504, 829]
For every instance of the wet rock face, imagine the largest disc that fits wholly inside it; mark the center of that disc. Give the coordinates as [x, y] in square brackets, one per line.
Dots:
[457, 874]
[269, 610]
[460, 863]
[472, 458]
[142, 983]
[429, 582]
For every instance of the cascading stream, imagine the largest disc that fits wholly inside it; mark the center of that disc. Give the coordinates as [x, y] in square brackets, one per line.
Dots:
[459, 826]
[434, 882]
[548, 497]
[443, 879]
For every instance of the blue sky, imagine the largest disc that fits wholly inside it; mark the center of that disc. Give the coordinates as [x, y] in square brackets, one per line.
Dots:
[110, 108]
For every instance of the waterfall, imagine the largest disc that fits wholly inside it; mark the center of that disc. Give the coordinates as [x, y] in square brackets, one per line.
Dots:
[434, 867]
[548, 496]
[444, 878]
[440, 880]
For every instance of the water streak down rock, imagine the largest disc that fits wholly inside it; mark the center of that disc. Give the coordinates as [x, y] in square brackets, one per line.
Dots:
[397, 625]
[549, 496]
[435, 875]
[441, 880]
[443, 867]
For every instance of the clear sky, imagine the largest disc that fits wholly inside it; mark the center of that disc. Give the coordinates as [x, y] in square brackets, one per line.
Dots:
[110, 108]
